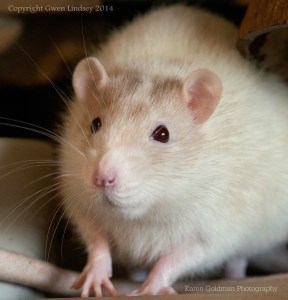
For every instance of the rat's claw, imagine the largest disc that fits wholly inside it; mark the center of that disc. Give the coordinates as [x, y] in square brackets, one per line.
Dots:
[79, 281]
[90, 283]
[94, 281]
[148, 291]
[96, 285]
[109, 287]
[167, 291]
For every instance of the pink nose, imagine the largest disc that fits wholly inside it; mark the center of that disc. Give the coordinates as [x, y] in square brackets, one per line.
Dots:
[105, 180]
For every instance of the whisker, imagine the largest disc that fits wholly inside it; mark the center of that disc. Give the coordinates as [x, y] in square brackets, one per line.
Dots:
[25, 200]
[22, 166]
[25, 165]
[76, 120]
[101, 100]
[62, 239]
[58, 90]
[40, 130]
[53, 174]
[48, 244]
[45, 193]
[73, 211]
[34, 128]
[60, 54]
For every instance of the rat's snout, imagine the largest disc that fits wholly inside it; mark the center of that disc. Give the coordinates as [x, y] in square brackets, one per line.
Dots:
[105, 178]
[106, 171]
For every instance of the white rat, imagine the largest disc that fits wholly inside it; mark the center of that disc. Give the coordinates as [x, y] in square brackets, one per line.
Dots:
[176, 152]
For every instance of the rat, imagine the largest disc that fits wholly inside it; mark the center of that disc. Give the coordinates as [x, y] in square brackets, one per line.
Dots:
[175, 153]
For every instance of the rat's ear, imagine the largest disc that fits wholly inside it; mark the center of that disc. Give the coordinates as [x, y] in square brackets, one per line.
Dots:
[202, 91]
[89, 77]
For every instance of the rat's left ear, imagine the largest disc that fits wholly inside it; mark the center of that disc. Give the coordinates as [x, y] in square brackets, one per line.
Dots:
[202, 92]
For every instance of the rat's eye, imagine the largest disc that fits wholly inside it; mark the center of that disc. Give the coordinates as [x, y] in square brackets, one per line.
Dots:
[95, 125]
[160, 134]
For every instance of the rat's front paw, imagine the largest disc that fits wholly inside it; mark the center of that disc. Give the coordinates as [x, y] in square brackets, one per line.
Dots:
[95, 276]
[152, 288]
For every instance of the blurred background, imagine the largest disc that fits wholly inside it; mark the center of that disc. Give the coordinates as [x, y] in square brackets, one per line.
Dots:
[39, 49]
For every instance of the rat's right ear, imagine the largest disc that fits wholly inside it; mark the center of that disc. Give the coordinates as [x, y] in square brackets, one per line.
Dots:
[88, 78]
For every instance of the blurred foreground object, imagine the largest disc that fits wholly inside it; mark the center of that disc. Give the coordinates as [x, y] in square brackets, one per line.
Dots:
[264, 35]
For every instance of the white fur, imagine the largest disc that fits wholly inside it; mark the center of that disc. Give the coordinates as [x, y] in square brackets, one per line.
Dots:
[220, 188]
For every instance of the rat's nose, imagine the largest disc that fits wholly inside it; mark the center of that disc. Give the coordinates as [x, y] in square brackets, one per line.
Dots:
[107, 179]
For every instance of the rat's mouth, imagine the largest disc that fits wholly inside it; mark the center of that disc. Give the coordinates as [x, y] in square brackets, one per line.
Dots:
[119, 205]
[112, 201]
[125, 203]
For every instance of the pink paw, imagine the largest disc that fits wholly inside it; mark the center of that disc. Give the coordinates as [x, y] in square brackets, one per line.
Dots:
[150, 288]
[95, 276]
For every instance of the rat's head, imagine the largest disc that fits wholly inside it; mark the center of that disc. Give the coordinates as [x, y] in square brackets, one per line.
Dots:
[136, 136]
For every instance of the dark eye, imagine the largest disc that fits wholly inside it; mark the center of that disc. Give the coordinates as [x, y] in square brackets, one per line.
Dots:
[95, 125]
[160, 134]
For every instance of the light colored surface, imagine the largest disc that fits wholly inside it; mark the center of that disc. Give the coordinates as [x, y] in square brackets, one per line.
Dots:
[24, 210]
[248, 288]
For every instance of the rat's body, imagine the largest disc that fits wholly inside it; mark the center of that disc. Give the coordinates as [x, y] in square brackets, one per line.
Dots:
[215, 190]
